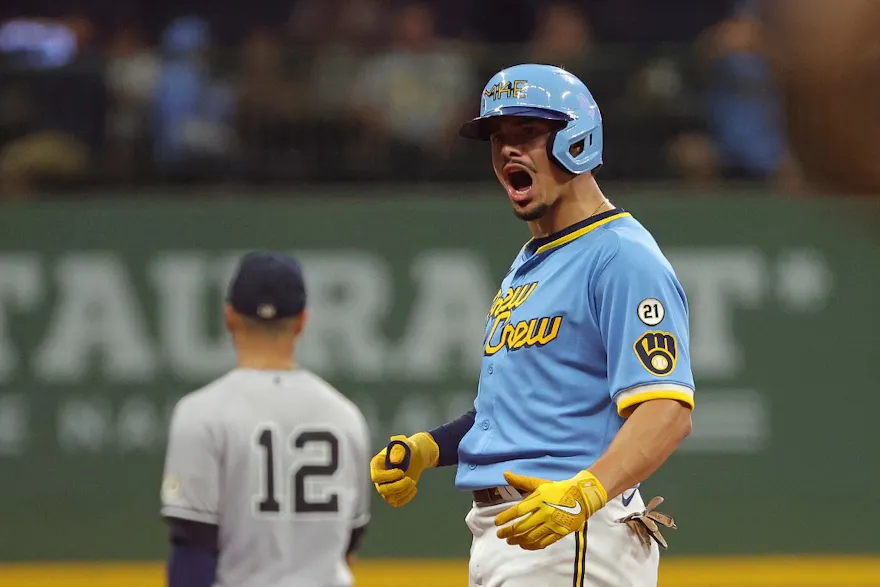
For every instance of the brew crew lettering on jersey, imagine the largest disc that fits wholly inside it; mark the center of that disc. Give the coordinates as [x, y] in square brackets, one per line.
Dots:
[600, 284]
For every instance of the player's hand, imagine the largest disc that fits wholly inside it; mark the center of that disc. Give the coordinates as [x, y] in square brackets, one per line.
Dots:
[552, 509]
[398, 486]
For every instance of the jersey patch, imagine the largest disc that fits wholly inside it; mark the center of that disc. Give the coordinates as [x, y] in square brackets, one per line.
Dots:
[171, 488]
[657, 351]
[651, 312]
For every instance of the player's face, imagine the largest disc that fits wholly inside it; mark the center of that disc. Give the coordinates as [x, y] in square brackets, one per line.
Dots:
[522, 165]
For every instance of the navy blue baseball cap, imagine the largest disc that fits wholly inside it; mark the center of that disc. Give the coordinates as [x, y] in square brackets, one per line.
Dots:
[267, 286]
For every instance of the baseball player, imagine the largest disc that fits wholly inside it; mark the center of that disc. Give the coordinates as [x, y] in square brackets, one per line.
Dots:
[585, 386]
[266, 481]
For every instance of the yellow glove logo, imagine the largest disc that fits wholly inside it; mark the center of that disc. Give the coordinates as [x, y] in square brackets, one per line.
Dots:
[657, 351]
[550, 511]
[571, 510]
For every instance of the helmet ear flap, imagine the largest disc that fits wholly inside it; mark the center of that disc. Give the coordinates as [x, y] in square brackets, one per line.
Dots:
[574, 149]
[578, 148]
[551, 143]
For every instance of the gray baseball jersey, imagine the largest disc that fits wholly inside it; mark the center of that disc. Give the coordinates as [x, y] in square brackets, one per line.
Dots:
[279, 460]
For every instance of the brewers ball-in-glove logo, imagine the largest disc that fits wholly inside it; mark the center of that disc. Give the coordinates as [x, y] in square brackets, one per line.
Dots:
[657, 352]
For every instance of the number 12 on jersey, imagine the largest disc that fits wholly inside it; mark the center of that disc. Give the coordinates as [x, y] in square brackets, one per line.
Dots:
[267, 441]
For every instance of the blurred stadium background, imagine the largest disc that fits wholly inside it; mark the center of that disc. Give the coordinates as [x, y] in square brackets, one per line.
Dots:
[144, 145]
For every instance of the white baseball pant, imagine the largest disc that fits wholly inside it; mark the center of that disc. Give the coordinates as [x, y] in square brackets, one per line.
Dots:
[604, 554]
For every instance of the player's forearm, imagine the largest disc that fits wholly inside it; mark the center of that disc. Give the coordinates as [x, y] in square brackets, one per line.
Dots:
[448, 436]
[648, 437]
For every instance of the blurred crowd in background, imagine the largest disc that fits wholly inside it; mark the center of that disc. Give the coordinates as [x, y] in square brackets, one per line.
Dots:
[114, 94]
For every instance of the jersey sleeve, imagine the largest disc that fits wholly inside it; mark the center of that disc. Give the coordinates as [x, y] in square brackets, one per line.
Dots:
[643, 319]
[190, 485]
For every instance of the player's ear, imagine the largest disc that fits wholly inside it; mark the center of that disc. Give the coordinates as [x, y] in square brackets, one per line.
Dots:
[300, 323]
[230, 318]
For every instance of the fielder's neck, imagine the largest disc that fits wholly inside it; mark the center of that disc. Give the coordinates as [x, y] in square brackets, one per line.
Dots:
[266, 354]
[578, 200]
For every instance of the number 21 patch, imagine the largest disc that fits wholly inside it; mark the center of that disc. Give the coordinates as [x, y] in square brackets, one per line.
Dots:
[657, 352]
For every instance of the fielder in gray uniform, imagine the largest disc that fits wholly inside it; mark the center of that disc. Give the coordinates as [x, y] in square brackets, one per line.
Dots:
[266, 480]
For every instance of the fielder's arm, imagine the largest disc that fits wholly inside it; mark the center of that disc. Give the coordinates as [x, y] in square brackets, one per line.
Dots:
[361, 514]
[354, 543]
[192, 561]
[190, 497]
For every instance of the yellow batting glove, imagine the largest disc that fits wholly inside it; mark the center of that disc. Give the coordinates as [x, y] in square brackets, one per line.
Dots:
[396, 485]
[552, 510]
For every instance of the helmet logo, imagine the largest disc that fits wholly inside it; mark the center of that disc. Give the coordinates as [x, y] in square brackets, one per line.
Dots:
[515, 89]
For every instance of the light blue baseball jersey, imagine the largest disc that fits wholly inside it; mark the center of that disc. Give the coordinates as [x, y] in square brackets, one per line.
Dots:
[587, 324]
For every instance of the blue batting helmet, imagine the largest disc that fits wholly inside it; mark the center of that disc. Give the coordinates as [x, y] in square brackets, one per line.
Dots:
[548, 92]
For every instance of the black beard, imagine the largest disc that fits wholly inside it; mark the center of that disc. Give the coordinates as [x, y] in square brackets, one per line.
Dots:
[534, 214]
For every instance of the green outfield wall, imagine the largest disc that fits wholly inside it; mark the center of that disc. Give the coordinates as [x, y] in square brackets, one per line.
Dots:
[109, 311]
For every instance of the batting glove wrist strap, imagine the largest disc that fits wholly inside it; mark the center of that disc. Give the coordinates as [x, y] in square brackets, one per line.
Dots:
[424, 444]
[591, 488]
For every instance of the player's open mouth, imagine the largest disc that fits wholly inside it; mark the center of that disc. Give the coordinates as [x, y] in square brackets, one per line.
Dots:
[520, 183]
